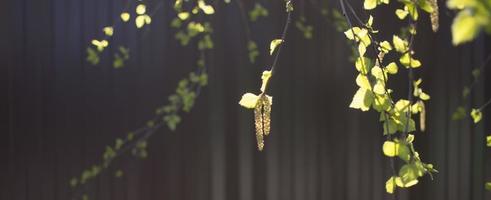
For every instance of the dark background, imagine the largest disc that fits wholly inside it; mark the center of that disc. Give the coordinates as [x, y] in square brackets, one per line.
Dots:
[58, 112]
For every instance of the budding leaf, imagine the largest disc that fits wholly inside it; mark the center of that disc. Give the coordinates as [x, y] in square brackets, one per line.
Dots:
[274, 44]
[476, 115]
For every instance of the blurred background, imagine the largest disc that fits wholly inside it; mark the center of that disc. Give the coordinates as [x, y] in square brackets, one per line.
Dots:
[59, 112]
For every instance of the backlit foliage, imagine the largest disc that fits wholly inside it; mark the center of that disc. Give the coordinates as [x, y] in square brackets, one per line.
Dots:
[472, 17]
[262, 109]
[182, 100]
[374, 93]
[262, 103]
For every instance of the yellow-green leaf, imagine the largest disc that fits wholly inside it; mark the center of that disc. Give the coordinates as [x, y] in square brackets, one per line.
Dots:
[460, 4]
[207, 9]
[392, 68]
[363, 82]
[249, 100]
[362, 49]
[488, 141]
[390, 149]
[265, 78]
[141, 9]
[379, 87]
[183, 15]
[408, 61]
[399, 44]
[100, 44]
[370, 4]
[274, 44]
[125, 16]
[476, 115]
[362, 65]
[465, 27]
[385, 47]
[401, 14]
[140, 21]
[108, 30]
[390, 185]
[148, 19]
[362, 100]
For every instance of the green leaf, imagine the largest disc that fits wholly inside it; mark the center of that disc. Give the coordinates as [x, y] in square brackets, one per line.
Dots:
[273, 45]
[488, 141]
[413, 10]
[488, 186]
[257, 11]
[92, 56]
[409, 174]
[459, 113]
[249, 100]
[465, 27]
[253, 51]
[476, 115]
[425, 5]
[362, 100]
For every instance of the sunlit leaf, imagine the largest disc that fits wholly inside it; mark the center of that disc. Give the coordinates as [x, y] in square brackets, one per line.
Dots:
[362, 100]
[488, 141]
[408, 61]
[370, 4]
[385, 47]
[476, 115]
[108, 30]
[390, 149]
[183, 15]
[141, 9]
[363, 82]
[207, 9]
[249, 100]
[125, 16]
[100, 44]
[465, 27]
[363, 65]
[390, 185]
[274, 44]
[265, 79]
[392, 68]
[140, 21]
[401, 14]
[400, 45]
